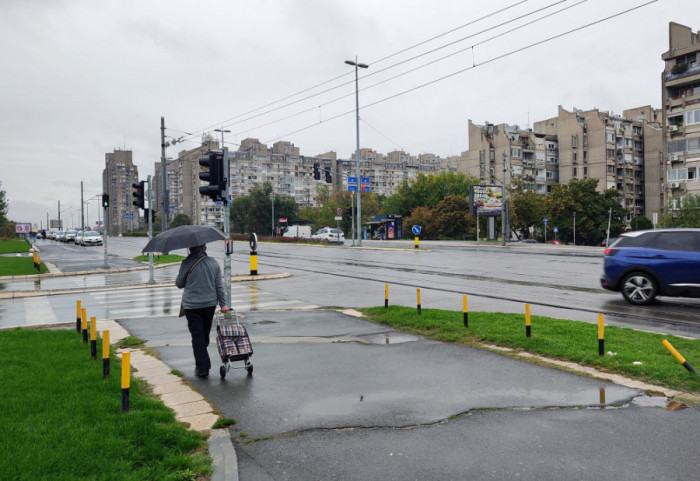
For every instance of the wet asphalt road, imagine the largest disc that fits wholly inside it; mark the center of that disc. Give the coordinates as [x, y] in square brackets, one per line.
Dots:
[329, 399]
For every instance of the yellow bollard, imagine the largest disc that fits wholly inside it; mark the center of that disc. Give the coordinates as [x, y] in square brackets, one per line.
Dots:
[418, 298]
[126, 380]
[415, 245]
[601, 335]
[253, 263]
[386, 296]
[93, 338]
[84, 325]
[465, 311]
[105, 354]
[678, 356]
[528, 331]
[77, 317]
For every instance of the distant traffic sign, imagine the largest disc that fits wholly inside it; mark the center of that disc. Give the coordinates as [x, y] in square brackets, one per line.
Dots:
[352, 188]
[416, 230]
[339, 211]
[352, 180]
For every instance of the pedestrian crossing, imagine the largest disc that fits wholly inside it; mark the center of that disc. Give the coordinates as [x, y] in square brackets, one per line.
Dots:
[165, 301]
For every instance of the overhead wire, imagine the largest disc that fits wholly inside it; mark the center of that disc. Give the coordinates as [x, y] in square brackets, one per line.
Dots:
[225, 122]
[475, 65]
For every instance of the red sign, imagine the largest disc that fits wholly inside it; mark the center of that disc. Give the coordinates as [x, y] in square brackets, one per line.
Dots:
[283, 219]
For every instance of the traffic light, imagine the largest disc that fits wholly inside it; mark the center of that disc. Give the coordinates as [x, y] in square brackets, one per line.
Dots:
[317, 173]
[138, 193]
[329, 180]
[105, 200]
[215, 176]
[151, 212]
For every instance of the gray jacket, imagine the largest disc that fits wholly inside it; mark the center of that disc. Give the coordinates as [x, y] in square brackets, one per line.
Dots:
[204, 286]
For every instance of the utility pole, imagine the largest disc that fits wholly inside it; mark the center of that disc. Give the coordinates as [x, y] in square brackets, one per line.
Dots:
[82, 208]
[60, 226]
[504, 222]
[150, 231]
[163, 162]
[229, 244]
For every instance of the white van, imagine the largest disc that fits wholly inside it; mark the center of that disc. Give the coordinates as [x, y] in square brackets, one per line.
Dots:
[298, 232]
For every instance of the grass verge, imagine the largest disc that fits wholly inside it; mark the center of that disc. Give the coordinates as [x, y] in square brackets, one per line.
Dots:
[19, 266]
[61, 420]
[557, 338]
[161, 259]
[13, 246]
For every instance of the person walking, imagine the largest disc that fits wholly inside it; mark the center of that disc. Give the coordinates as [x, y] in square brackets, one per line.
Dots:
[200, 276]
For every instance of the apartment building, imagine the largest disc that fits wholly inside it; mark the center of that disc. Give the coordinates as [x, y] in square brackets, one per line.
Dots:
[531, 157]
[680, 92]
[184, 189]
[118, 176]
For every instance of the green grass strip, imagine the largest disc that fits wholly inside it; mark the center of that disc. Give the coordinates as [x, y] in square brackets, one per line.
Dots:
[14, 246]
[61, 420]
[19, 266]
[557, 338]
[161, 259]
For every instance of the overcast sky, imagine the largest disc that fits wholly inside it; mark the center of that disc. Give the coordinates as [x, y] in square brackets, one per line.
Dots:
[81, 78]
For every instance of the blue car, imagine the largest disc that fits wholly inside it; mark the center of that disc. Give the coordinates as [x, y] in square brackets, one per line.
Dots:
[649, 263]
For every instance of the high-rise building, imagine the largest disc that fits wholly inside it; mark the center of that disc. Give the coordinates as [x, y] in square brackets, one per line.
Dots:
[118, 176]
[680, 92]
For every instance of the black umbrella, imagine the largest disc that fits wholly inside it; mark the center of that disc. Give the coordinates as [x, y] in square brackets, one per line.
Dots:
[182, 237]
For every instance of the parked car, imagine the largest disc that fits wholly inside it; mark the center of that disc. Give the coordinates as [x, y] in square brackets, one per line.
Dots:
[70, 236]
[79, 238]
[649, 263]
[555, 242]
[91, 238]
[329, 234]
[61, 236]
[608, 242]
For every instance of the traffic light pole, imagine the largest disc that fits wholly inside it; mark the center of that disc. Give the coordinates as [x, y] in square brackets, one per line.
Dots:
[150, 231]
[104, 241]
[229, 244]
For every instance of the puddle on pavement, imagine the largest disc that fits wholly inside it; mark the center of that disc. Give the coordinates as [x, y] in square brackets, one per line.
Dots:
[264, 323]
[658, 402]
[392, 338]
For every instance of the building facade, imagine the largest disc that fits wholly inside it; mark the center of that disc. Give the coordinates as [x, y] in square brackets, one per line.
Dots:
[118, 176]
[680, 93]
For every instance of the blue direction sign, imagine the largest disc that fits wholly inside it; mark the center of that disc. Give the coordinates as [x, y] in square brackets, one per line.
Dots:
[365, 180]
[352, 188]
[556, 229]
[544, 220]
[416, 230]
[352, 180]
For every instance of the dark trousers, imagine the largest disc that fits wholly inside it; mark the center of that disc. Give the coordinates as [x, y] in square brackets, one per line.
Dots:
[199, 324]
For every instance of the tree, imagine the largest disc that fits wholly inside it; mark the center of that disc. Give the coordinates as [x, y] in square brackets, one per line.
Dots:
[527, 210]
[641, 222]
[423, 217]
[253, 212]
[427, 191]
[181, 219]
[682, 212]
[452, 217]
[6, 227]
[238, 214]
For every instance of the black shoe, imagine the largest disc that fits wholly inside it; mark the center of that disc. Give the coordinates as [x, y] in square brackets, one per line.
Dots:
[201, 373]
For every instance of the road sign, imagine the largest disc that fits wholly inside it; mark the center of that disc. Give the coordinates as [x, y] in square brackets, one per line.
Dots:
[352, 180]
[365, 180]
[283, 219]
[416, 230]
[544, 220]
[338, 217]
[339, 211]
[556, 229]
[352, 188]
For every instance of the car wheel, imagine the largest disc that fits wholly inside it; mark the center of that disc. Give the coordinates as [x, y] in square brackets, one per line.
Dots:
[639, 288]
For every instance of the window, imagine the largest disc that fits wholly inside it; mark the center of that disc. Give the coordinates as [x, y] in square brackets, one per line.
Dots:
[574, 141]
[514, 152]
[574, 171]
[692, 117]
[677, 174]
[610, 137]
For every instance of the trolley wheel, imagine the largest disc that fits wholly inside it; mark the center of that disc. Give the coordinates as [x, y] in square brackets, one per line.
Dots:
[222, 371]
[249, 368]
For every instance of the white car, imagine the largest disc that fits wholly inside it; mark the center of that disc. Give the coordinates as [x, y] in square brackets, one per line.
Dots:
[91, 238]
[329, 234]
[70, 236]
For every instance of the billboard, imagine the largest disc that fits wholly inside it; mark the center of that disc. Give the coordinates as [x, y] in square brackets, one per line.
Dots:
[486, 199]
[23, 228]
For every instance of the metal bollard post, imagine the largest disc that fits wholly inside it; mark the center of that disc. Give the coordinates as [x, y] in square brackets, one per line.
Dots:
[418, 298]
[466, 311]
[77, 318]
[83, 324]
[678, 356]
[528, 331]
[105, 354]
[126, 380]
[93, 338]
[253, 263]
[386, 296]
[601, 335]
[415, 242]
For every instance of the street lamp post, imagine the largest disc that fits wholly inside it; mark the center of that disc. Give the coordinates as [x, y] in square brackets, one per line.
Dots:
[574, 228]
[357, 66]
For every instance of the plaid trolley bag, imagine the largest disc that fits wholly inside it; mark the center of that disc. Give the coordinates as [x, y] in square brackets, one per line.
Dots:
[233, 343]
